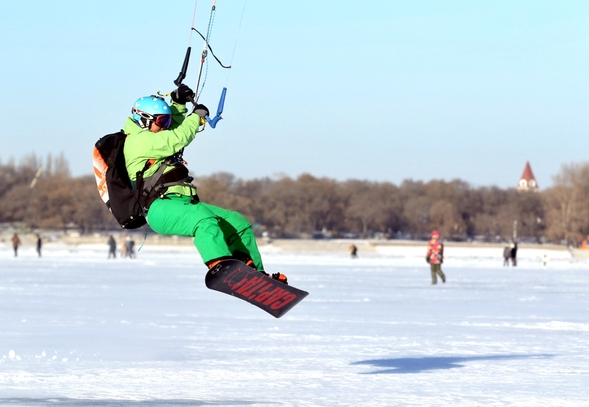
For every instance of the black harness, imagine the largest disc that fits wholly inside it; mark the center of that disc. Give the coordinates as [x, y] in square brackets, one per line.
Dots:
[155, 186]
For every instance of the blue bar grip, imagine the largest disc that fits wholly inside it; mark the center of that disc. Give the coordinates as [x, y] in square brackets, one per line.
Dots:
[213, 122]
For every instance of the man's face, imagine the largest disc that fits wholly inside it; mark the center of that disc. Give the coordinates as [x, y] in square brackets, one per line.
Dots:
[154, 128]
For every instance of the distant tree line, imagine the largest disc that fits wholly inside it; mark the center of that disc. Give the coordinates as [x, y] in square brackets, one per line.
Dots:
[41, 194]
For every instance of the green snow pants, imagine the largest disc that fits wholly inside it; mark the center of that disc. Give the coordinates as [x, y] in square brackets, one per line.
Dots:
[436, 269]
[217, 232]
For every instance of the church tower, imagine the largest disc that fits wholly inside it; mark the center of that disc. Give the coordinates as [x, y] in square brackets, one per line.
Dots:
[527, 182]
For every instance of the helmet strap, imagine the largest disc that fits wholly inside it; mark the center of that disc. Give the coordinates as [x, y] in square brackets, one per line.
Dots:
[144, 123]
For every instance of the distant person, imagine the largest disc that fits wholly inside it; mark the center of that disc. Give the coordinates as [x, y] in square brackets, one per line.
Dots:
[15, 244]
[130, 247]
[513, 253]
[39, 244]
[435, 257]
[545, 260]
[353, 251]
[123, 247]
[112, 247]
[506, 256]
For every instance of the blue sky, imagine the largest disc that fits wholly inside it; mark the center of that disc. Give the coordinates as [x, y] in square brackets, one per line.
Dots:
[382, 91]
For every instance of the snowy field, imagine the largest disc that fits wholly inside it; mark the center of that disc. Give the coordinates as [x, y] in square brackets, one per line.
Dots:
[80, 330]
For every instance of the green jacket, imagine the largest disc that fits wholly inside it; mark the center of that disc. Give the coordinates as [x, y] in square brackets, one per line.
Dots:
[143, 145]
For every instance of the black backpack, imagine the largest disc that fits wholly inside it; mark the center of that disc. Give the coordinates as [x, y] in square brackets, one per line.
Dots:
[113, 182]
[117, 191]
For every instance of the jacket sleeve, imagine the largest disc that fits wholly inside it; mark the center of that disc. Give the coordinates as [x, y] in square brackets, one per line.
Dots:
[179, 135]
[167, 142]
[142, 145]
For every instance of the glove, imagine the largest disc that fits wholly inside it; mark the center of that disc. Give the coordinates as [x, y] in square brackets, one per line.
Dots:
[201, 110]
[182, 95]
[427, 259]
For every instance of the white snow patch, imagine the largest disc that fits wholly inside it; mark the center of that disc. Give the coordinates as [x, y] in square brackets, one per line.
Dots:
[373, 331]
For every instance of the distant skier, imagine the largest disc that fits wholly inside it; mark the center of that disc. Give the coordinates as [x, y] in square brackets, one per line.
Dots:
[130, 246]
[15, 244]
[112, 247]
[506, 256]
[123, 248]
[39, 244]
[157, 134]
[513, 253]
[435, 257]
[353, 251]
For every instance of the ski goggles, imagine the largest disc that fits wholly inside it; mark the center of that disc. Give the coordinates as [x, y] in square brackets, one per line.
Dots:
[163, 120]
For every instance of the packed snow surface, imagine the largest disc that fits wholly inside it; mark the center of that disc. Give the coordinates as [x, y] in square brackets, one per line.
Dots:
[79, 329]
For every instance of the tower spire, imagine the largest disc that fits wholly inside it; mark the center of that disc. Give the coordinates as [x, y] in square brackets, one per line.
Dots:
[527, 181]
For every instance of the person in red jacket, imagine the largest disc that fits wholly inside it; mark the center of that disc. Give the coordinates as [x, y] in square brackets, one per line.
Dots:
[435, 257]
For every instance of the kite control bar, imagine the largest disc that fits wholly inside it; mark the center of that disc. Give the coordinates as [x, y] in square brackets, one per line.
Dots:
[213, 122]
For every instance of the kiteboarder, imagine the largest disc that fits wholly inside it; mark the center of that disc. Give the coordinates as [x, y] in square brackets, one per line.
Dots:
[157, 134]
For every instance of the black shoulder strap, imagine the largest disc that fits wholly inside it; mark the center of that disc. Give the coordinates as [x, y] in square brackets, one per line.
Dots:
[150, 188]
[139, 183]
[155, 177]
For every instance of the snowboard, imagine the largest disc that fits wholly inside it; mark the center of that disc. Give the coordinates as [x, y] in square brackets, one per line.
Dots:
[235, 278]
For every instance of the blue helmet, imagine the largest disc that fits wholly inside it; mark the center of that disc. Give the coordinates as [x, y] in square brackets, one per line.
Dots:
[150, 109]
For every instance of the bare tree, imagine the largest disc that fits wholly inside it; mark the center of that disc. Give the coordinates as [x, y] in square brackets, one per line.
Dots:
[566, 204]
[301, 206]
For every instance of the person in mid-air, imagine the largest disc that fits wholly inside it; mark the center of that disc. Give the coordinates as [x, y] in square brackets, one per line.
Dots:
[435, 257]
[157, 133]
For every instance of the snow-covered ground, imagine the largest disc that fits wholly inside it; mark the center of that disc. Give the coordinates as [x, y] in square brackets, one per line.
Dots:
[78, 329]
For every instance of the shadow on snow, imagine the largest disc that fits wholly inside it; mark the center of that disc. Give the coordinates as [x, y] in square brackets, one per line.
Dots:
[420, 364]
